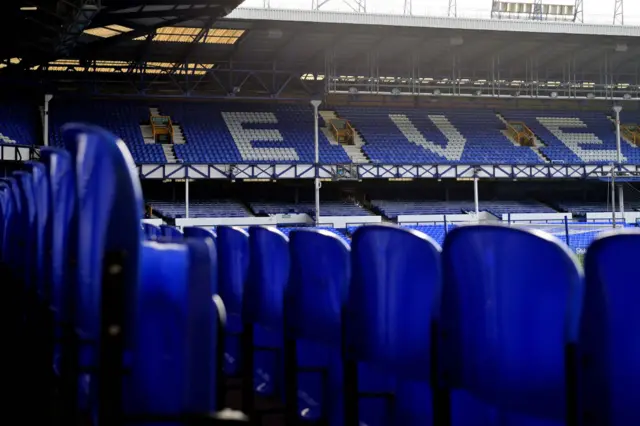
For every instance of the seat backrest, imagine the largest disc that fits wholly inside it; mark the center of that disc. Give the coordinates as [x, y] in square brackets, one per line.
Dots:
[172, 233]
[233, 266]
[41, 192]
[196, 232]
[510, 308]
[152, 232]
[24, 183]
[263, 301]
[4, 213]
[109, 213]
[318, 285]
[393, 297]
[175, 295]
[13, 219]
[609, 342]
[63, 234]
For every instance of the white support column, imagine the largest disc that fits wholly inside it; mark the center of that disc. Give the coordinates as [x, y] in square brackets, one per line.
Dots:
[617, 109]
[621, 202]
[613, 195]
[476, 197]
[316, 103]
[45, 124]
[186, 198]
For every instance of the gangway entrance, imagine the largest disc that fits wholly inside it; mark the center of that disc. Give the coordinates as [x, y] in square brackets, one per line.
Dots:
[162, 129]
[342, 131]
[521, 133]
[631, 132]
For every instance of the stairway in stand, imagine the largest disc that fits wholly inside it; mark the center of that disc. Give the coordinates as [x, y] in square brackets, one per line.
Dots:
[169, 153]
[355, 152]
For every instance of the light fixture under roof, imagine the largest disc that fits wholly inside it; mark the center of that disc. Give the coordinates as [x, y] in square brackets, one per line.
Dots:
[108, 31]
[193, 34]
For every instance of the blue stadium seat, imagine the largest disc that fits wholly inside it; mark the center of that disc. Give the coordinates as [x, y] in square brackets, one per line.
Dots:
[171, 233]
[151, 232]
[43, 252]
[24, 186]
[609, 340]
[314, 300]
[392, 301]
[263, 315]
[109, 199]
[176, 280]
[510, 307]
[63, 222]
[3, 213]
[233, 261]
[196, 232]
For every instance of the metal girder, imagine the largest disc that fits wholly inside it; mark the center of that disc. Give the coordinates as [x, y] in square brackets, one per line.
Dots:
[452, 12]
[618, 12]
[537, 10]
[358, 6]
[579, 11]
[378, 171]
[408, 7]
[121, 18]
[83, 14]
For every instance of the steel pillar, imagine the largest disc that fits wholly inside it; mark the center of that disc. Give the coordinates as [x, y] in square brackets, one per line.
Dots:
[578, 11]
[408, 7]
[537, 10]
[316, 103]
[453, 9]
[359, 6]
[186, 198]
[45, 124]
[618, 12]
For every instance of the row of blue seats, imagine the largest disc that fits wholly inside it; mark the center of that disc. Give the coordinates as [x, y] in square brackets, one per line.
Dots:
[83, 292]
[398, 331]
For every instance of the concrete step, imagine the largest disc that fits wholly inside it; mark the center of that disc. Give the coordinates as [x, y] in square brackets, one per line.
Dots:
[178, 135]
[169, 153]
[356, 154]
[332, 140]
[154, 111]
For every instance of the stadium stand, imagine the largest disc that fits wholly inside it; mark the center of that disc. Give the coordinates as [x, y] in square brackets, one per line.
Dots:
[119, 117]
[198, 209]
[574, 137]
[425, 136]
[498, 208]
[249, 133]
[238, 133]
[328, 208]
[18, 123]
[392, 209]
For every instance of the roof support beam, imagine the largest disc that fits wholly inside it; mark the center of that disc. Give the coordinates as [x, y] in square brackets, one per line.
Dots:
[618, 12]
[358, 6]
[122, 18]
